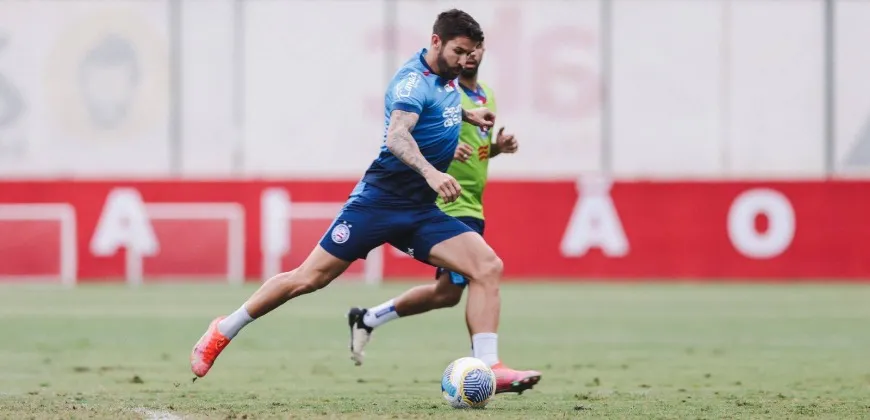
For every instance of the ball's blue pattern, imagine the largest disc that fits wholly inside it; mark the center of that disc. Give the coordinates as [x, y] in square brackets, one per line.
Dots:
[447, 386]
[477, 386]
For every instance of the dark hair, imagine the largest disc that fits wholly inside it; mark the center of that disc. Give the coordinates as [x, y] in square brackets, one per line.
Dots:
[455, 23]
[113, 50]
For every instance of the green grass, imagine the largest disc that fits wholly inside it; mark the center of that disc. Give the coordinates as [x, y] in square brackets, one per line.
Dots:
[606, 351]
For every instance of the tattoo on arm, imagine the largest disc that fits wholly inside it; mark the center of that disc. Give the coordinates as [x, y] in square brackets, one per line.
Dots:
[402, 144]
[464, 115]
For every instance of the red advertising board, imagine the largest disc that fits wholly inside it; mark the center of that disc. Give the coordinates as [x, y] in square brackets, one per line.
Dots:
[112, 230]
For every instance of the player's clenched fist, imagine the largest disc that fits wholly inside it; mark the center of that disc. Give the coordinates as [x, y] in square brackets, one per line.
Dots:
[445, 185]
[463, 152]
[507, 143]
[481, 117]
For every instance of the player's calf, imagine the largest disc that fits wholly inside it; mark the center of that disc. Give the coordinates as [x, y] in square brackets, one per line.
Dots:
[484, 299]
[446, 298]
[318, 270]
[470, 255]
[417, 300]
[421, 299]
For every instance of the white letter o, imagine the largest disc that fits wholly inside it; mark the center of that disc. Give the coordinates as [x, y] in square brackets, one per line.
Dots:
[741, 223]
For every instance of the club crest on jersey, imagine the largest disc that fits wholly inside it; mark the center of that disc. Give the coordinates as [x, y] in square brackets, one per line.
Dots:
[340, 233]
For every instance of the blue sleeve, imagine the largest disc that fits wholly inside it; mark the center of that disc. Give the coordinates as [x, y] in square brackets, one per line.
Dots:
[409, 94]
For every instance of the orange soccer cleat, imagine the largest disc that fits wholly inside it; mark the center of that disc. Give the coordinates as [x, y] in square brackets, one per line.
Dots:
[509, 380]
[207, 349]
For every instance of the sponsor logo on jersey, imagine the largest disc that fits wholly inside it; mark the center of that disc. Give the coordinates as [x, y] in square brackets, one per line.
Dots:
[407, 85]
[452, 115]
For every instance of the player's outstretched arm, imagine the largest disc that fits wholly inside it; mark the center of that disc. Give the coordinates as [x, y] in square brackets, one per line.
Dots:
[403, 146]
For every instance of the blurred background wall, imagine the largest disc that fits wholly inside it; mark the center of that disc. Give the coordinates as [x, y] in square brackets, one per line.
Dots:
[651, 96]
[632, 88]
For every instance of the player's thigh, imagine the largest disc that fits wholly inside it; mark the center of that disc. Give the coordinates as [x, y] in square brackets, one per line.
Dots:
[447, 242]
[425, 228]
[467, 254]
[447, 277]
[356, 231]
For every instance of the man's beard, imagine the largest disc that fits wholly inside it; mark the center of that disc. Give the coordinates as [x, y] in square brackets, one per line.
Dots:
[470, 73]
[446, 70]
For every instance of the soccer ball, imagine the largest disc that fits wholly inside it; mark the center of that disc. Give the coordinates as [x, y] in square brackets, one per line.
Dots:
[468, 383]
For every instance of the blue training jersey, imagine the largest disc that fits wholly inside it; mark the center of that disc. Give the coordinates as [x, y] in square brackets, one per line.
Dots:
[415, 88]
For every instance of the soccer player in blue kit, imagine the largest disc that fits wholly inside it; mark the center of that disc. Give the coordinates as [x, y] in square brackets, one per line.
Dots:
[394, 202]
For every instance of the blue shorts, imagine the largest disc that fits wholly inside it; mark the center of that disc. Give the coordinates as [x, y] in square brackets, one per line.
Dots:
[476, 225]
[363, 225]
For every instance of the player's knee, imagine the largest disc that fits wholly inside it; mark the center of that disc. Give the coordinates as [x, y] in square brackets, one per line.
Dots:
[489, 270]
[316, 280]
[494, 267]
[305, 286]
[304, 280]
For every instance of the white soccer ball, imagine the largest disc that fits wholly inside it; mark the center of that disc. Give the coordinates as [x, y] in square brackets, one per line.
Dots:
[468, 383]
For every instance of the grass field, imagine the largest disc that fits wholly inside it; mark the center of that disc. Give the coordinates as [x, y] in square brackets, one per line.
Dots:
[606, 351]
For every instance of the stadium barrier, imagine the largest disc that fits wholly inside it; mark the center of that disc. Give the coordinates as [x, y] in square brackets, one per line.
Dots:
[100, 231]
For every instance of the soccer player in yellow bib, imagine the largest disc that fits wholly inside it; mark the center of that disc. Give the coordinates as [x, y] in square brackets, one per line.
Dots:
[469, 167]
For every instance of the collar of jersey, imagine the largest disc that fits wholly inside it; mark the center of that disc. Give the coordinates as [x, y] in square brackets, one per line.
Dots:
[479, 92]
[429, 70]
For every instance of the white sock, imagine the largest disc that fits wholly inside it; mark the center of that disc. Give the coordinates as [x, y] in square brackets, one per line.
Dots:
[381, 314]
[231, 325]
[485, 347]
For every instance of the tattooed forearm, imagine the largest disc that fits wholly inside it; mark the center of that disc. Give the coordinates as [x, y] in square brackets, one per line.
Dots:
[405, 148]
[402, 144]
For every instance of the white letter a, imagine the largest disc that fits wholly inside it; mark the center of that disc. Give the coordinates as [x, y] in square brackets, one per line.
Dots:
[124, 223]
[594, 223]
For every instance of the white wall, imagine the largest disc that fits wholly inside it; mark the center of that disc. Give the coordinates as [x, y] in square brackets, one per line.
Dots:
[93, 84]
[736, 90]
[210, 133]
[714, 88]
[666, 87]
[853, 85]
